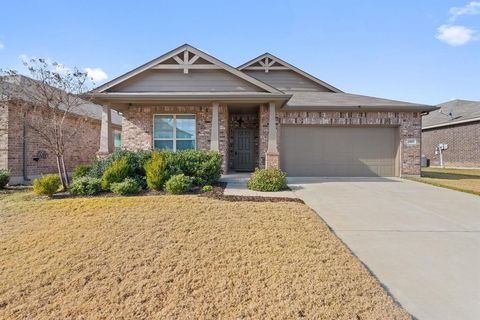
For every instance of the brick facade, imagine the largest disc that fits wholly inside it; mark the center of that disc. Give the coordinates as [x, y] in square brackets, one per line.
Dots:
[137, 126]
[463, 145]
[138, 129]
[12, 144]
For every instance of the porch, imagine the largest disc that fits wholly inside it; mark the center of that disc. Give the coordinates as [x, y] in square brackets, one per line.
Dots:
[239, 130]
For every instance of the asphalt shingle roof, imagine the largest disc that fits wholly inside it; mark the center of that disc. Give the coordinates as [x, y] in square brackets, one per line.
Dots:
[316, 100]
[10, 90]
[452, 112]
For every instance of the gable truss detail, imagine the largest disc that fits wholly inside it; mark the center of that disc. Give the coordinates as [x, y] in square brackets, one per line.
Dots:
[266, 64]
[185, 60]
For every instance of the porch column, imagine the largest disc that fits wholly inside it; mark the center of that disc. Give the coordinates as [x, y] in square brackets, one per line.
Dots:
[106, 138]
[214, 144]
[272, 156]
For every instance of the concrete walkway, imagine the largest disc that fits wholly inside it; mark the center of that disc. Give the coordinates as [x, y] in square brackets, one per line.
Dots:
[422, 242]
[237, 186]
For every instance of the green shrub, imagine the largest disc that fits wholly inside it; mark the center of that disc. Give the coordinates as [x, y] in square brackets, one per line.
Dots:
[156, 171]
[116, 172]
[178, 184]
[46, 185]
[80, 171]
[4, 178]
[141, 180]
[268, 180]
[136, 160]
[207, 188]
[127, 186]
[86, 186]
[203, 167]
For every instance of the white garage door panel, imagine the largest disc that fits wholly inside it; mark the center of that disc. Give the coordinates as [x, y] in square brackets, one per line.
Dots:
[338, 151]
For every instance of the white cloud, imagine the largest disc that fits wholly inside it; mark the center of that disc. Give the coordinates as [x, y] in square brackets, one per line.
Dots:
[2, 46]
[470, 8]
[97, 74]
[455, 35]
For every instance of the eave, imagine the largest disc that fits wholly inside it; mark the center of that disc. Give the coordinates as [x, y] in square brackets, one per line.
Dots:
[166, 97]
[448, 124]
[379, 108]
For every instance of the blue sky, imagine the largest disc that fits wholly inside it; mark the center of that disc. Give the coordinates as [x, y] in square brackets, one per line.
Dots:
[420, 51]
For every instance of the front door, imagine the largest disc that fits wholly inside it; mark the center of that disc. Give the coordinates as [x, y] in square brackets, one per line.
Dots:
[243, 152]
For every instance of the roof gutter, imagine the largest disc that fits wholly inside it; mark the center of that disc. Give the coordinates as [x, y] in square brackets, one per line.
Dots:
[393, 108]
[190, 97]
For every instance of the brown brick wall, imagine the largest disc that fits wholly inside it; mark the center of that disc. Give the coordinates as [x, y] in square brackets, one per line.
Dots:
[137, 126]
[83, 151]
[409, 124]
[3, 136]
[463, 145]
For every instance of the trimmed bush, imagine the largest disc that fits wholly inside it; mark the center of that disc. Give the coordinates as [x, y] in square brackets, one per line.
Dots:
[127, 186]
[116, 172]
[80, 171]
[136, 160]
[156, 171]
[178, 184]
[86, 186]
[268, 180]
[4, 178]
[203, 167]
[46, 185]
[207, 188]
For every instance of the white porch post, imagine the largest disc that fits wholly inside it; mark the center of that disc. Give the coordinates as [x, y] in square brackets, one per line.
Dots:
[272, 150]
[106, 138]
[214, 144]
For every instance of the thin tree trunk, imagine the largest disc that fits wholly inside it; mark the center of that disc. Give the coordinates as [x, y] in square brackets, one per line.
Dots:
[65, 174]
[60, 174]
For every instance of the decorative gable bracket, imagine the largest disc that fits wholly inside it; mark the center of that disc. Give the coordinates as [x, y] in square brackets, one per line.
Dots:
[185, 60]
[266, 64]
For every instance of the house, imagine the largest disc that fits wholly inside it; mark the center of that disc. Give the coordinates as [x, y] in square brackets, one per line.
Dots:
[21, 150]
[265, 113]
[455, 129]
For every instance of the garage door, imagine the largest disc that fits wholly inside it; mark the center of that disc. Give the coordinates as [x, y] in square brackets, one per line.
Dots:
[338, 151]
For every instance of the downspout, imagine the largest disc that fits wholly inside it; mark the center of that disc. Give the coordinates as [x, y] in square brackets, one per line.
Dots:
[24, 149]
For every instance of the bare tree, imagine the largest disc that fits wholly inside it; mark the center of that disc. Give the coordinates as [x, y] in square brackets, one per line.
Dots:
[49, 97]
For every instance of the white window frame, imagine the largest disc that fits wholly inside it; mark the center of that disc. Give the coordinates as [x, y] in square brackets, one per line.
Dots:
[174, 138]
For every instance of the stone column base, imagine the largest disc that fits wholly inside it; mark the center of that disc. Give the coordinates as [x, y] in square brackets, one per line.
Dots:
[102, 154]
[272, 160]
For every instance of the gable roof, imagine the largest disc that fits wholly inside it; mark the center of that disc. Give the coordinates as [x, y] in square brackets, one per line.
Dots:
[347, 101]
[22, 88]
[268, 61]
[452, 112]
[188, 62]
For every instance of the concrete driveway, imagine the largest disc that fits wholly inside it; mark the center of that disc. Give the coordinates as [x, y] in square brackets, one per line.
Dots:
[422, 242]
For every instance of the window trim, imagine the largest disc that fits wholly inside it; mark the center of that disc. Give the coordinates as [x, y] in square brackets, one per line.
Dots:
[174, 139]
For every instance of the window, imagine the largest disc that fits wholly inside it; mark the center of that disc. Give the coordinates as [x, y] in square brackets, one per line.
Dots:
[117, 140]
[174, 132]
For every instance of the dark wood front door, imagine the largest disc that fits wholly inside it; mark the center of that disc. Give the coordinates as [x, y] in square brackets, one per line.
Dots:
[243, 149]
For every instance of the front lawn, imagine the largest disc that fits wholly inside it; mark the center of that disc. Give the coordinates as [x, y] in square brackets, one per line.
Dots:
[174, 257]
[466, 180]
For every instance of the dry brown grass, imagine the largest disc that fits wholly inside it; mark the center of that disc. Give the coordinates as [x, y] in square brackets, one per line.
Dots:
[466, 180]
[178, 257]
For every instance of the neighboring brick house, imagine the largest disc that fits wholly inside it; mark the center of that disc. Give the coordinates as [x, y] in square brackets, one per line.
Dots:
[265, 113]
[21, 150]
[457, 125]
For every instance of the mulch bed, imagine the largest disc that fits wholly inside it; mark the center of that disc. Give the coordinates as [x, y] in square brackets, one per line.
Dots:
[217, 193]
